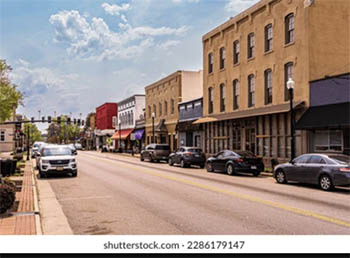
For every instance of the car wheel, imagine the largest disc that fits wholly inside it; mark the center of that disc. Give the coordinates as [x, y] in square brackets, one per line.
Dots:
[256, 173]
[210, 167]
[326, 183]
[75, 174]
[141, 158]
[202, 166]
[230, 169]
[170, 162]
[280, 177]
[182, 163]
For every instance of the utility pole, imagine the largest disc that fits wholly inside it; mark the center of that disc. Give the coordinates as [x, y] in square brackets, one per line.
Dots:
[28, 136]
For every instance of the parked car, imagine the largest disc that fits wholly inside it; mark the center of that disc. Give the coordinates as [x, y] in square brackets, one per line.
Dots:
[187, 156]
[78, 146]
[326, 170]
[155, 152]
[74, 149]
[37, 155]
[233, 162]
[35, 148]
[57, 159]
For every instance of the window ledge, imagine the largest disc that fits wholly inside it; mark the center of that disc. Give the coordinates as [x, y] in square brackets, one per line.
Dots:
[251, 59]
[268, 52]
[289, 44]
[237, 64]
[222, 69]
[210, 74]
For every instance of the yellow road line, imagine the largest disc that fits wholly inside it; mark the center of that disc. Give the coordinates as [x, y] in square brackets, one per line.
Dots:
[237, 195]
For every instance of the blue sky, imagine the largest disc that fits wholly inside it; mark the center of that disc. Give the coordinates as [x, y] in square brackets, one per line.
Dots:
[74, 55]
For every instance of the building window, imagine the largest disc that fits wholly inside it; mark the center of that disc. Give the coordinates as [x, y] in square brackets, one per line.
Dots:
[160, 109]
[155, 110]
[331, 140]
[251, 45]
[149, 112]
[210, 62]
[132, 117]
[2, 136]
[222, 57]
[236, 138]
[211, 100]
[268, 86]
[236, 52]
[235, 94]
[268, 37]
[165, 108]
[251, 90]
[289, 28]
[172, 108]
[222, 97]
[288, 73]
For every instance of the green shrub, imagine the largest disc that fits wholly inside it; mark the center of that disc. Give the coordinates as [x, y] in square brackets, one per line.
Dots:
[10, 183]
[7, 197]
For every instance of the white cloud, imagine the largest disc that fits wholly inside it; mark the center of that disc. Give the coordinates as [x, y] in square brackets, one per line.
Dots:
[115, 9]
[237, 6]
[189, 1]
[168, 44]
[95, 40]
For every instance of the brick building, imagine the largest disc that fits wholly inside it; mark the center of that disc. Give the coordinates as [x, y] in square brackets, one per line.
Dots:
[104, 123]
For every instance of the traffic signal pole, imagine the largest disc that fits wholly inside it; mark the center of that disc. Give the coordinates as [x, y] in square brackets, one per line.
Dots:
[28, 136]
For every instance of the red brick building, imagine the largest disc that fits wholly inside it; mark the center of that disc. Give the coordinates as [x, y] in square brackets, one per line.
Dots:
[104, 122]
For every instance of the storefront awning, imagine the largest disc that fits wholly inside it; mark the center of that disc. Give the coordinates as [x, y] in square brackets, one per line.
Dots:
[139, 133]
[161, 127]
[205, 120]
[327, 116]
[123, 134]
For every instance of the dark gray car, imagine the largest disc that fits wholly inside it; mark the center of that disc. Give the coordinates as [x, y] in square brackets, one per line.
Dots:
[155, 152]
[326, 170]
[187, 156]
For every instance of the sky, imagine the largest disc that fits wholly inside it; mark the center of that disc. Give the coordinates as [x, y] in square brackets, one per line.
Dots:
[71, 56]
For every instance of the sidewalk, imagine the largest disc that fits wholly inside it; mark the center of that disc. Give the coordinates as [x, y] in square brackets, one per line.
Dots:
[23, 218]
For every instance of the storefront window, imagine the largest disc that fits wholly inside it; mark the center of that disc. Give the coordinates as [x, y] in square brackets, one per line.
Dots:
[328, 140]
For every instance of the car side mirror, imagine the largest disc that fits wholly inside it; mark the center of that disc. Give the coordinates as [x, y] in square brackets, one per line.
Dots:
[292, 162]
[38, 154]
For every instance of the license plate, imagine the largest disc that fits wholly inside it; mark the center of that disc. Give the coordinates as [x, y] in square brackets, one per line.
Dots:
[197, 155]
[59, 168]
[253, 167]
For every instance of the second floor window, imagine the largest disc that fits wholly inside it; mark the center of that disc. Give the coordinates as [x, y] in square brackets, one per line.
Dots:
[210, 100]
[268, 37]
[289, 28]
[222, 97]
[160, 109]
[155, 110]
[210, 63]
[222, 58]
[251, 90]
[251, 44]
[268, 86]
[165, 108]
[235, 94]
[288, 73]
[172, 108]
[149, 112]
[236, 52]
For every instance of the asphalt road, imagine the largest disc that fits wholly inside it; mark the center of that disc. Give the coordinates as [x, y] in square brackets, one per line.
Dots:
[114, 194]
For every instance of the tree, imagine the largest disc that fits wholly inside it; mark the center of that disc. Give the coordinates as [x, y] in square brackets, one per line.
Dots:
[34, 132]
[62, 133]
[10, 97]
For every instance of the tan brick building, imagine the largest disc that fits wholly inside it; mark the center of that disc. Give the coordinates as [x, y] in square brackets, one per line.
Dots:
[247, 62]
[7, 135]
[162, 98]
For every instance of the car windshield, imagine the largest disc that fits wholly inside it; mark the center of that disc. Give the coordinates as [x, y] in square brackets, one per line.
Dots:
[36, 145]
[57, 151]
[246, 154]
[162, 147]
[195, 150]
[340, 159]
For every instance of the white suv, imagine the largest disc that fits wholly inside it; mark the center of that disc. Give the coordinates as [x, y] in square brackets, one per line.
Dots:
[57, 160]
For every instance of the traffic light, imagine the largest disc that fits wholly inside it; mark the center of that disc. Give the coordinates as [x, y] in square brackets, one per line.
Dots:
[43, 119]
[74, 121]
[58, 120]
[32, 119]
[68, 120]
[82, 122]
[49, 119]
[78, 122]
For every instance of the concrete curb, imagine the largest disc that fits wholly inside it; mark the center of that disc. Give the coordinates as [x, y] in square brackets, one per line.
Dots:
[36, 203]
[53, 219]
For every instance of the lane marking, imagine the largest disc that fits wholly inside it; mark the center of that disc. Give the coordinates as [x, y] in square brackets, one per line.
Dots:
[85, 198]
[234, 194]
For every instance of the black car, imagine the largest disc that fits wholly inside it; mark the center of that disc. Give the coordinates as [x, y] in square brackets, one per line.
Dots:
[187, 156]
[155, 152]
[326, 170]
[233, 162]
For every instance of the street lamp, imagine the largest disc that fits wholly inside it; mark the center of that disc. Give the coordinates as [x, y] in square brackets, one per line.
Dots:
[120, 134]
[290, 87]
[153, 115]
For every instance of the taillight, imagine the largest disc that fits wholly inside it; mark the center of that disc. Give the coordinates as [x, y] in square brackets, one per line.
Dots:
[187, 153]
[344, 169]
[239, 160]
